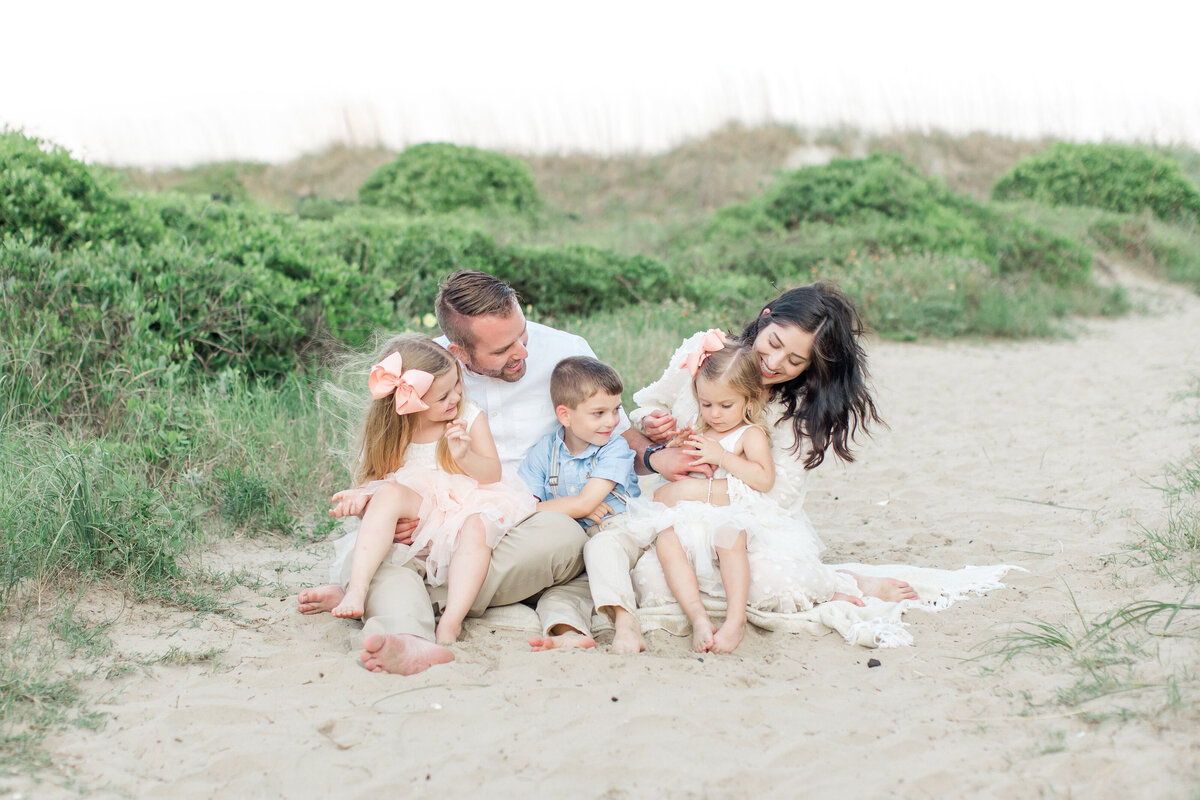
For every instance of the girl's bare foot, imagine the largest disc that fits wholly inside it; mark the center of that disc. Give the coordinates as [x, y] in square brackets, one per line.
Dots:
[702, 635]
[729, 636]
[627, 640]
[402, 654]
[319, 599]
[571, 639]
[448, 630]
[351, 606]
[889, 590]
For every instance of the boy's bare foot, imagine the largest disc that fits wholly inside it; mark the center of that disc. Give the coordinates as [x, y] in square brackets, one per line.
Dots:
[889, 590]
[702, 635]
[351, 606]
[728, 636]
[448, 631]
[849, 598]
[572, 639]
[319, 599]
[402, 654]
[627, 640]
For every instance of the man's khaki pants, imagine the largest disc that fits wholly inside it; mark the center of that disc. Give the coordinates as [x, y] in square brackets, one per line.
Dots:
[543, 551]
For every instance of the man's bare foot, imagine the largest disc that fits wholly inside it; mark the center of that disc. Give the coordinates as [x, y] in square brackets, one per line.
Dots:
[351, 606]
[728, 636]
[572, 639]
[627, 639]
[320, 599]
[889, 590]
[448, 630]
[849, 598]
[702, 635]
[402, 654]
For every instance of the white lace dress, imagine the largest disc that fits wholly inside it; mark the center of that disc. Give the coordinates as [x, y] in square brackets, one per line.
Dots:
[786, 573]
[447, 501]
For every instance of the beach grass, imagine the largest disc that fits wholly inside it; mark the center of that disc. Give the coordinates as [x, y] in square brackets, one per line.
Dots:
[38, 697]
[1136, 660]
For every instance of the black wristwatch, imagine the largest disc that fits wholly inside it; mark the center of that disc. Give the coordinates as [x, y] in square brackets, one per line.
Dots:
[649, 451]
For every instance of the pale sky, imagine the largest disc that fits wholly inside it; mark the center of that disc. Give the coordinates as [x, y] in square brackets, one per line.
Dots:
[164, 83]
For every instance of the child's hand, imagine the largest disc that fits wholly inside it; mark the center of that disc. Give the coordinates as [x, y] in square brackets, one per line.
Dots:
[349, 503]
[458, 440]
[600, 512]
[703, 449]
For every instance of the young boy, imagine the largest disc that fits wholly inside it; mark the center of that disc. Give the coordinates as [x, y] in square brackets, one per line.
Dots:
[582, 469]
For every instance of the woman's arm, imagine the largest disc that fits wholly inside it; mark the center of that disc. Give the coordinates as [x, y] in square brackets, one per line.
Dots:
[670, 395]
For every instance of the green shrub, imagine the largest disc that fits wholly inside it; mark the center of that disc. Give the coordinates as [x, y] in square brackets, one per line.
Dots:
[45, 191]
[879, 206]
[571, 279]
[1115, 177]
[89, 327]
[438, 178]
[850, 190]
[48, 196]
[578, 279]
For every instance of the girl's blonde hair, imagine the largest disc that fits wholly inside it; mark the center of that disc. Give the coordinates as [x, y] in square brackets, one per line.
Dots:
[736, 367]
[384, 436]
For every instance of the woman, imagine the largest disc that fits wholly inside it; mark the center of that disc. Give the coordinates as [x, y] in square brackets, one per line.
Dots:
[814, 373]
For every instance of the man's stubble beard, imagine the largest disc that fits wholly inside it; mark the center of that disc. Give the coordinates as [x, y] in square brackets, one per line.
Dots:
[500, 374]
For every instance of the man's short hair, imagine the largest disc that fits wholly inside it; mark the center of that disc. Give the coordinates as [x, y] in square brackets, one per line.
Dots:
[577, 378]
[469, 293]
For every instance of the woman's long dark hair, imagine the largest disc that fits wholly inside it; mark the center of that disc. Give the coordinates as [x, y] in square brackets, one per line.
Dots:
[830, 402]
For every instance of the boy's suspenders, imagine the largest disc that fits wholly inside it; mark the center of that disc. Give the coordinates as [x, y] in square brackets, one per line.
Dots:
[552, 480]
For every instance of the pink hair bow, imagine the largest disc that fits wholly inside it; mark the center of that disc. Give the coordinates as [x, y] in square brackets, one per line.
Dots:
[388, 376]
[712, 341]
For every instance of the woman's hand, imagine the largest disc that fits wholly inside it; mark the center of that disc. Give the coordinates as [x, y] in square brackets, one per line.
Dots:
[458, 440]
[659, 426]
[703, 449]
[673, 464]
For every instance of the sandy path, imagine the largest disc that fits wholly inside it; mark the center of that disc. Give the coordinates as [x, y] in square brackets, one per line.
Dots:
[1035, 454]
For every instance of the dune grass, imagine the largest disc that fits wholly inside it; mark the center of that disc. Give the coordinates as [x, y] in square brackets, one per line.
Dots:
[1137, 659]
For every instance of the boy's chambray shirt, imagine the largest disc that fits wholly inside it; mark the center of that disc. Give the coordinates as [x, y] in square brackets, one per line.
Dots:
[613, 462]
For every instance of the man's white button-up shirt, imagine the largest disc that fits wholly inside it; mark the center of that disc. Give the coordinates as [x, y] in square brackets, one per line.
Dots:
[520, 413]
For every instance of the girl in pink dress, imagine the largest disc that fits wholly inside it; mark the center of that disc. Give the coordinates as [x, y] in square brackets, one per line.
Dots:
[426, 452]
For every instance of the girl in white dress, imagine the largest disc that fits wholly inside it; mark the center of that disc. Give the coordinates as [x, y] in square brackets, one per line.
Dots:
[426, 452]
[730, 437]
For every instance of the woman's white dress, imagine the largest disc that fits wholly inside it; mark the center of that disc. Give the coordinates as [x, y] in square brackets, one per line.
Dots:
[786, 573]
[447, 501]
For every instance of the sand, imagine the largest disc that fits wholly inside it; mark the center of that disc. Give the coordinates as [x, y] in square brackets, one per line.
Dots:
[1038, 454]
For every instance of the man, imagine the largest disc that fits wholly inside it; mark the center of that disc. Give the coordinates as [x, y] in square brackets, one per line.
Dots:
[507, 365]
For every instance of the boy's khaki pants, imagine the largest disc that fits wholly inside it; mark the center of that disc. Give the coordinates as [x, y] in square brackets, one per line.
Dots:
[610, 555]
[543, 551]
